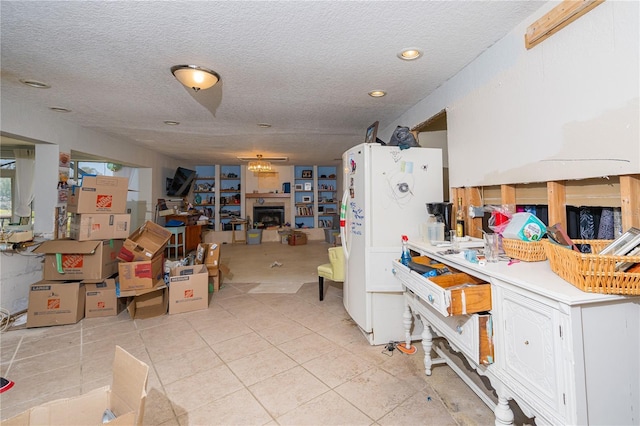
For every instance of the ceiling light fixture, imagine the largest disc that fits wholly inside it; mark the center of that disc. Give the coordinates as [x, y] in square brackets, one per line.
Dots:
[271, 158]
[171, 122]
[35, 83]
[410, 54]
[377, 93]
[264, 125]
[259, 166]
[59, 109]
[195, 77]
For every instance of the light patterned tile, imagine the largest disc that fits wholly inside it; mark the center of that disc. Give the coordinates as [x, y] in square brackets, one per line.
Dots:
[262, 365]
[284, 331]
[239, 347]
[202, 388]
[224, 330]
[327, 409]
[239, 408]
[41, 363]
[46, 384]
[419, 408]
[158, 408]
[375, 392]
[336, 367]
[50, 342]
[186, 364]
[307, 347]
[285, 391]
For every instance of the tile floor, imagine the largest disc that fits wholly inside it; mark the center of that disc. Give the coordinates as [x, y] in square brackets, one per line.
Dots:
[250, 359]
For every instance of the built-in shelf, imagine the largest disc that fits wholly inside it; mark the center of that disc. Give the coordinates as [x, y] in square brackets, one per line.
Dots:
[267, 195]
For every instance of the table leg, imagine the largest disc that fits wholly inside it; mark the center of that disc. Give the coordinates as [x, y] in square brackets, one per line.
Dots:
[504, 415]
[407, 321]
[427, 342]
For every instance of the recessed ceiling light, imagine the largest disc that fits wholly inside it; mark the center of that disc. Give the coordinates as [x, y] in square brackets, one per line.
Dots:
[59, 109]
[35, 83]
[377, 93]
[171, 123]
[410, 54]
[264, 125]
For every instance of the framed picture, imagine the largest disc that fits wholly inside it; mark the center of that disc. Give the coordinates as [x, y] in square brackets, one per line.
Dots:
[307, 186]
[320, 209]
[306, 199]
[372, 132]
[307, 174]
[297, 187]
[622, 245]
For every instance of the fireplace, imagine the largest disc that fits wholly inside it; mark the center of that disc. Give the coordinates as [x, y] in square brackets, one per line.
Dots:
[268, 215]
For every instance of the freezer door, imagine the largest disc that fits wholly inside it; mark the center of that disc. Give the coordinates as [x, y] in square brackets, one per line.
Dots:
[400, 183]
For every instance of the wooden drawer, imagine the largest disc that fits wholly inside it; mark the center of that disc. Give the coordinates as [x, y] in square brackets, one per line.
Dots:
[449, 295]
[470, 334]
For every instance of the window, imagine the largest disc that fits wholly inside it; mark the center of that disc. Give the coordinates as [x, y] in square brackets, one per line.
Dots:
[7, 176]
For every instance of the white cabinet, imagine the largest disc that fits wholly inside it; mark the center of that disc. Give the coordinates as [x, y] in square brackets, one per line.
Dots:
[565, 356]
[530, 356]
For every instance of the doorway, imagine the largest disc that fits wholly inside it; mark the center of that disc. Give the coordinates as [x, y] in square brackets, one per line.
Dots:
[432, 133]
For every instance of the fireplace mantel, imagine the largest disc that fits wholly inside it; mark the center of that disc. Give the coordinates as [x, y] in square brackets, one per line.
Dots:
[267, 195]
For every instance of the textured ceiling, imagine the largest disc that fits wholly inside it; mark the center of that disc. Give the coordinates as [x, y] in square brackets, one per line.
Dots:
[305, 67]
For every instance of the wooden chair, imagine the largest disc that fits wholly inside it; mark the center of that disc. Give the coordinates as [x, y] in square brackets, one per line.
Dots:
[334, 270]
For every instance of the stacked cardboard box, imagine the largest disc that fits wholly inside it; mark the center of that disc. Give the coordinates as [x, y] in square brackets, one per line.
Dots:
[141, 271]
[188, 289]
[98, 226]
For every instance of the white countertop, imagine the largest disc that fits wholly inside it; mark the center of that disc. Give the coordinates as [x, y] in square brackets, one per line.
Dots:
[533, 276]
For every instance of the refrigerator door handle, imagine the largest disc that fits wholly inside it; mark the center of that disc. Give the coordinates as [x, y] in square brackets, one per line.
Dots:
[343, 224]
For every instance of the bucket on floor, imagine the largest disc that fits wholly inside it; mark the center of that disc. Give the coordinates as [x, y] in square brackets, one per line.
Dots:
[254, 236]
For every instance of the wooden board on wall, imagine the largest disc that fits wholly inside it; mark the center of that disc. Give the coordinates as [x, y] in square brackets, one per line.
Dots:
[597, 192]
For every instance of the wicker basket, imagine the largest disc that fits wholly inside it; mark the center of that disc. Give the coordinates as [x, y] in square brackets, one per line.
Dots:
[529, 251]
[592, 272]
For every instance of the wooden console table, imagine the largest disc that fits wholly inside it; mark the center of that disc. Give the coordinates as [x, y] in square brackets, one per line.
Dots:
[564, 355]
[194, 231]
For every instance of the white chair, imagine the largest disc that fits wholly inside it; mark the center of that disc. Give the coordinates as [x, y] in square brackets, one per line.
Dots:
[178, 241]
[334, 270]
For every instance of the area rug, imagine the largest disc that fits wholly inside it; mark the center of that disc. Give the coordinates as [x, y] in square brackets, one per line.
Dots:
[281, 287]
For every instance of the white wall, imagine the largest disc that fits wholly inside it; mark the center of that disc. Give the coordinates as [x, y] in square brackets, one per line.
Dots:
[566, 109]
[18, 271]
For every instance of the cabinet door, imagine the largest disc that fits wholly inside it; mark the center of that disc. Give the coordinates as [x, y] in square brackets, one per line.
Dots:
[531, 351]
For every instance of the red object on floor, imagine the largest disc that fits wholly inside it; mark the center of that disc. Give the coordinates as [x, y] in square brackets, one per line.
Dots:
[5, 384]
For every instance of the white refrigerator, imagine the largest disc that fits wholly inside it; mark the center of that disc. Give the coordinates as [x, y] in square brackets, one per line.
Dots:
[385, 194]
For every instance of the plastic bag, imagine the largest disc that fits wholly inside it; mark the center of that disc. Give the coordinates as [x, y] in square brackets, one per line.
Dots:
[500, 217]
[403, 138]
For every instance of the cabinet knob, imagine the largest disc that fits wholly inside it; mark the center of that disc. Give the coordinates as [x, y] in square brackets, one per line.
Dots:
[430, 298]
[393, 271]
[459, 329]
[526, 342]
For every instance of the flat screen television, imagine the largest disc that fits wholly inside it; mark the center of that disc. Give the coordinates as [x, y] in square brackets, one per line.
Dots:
[180, 185]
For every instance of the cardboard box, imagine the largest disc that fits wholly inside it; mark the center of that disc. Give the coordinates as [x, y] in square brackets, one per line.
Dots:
[79, 260]
[297, 238]
[55, 303]
[101, 299]
[20, 236]
[126, 397]
[212, 259]
[141, 275]
[99, 194]
[145, 243]
[148, 305]
[99, 226]
[188, 289]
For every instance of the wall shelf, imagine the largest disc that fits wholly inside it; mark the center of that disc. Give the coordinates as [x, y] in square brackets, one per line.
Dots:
[268, 195]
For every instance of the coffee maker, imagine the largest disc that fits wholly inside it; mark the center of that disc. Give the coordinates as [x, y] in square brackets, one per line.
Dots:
[443, 213]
